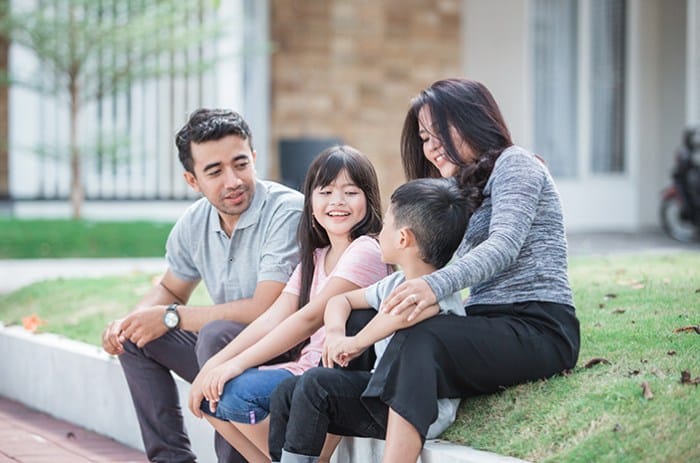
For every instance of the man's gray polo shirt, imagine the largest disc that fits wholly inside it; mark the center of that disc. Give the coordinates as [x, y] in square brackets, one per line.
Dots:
[263, 246]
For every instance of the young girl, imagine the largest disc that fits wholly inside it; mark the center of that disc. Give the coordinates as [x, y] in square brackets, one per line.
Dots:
[338, 253]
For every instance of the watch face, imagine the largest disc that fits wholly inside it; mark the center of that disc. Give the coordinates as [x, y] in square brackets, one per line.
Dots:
[171, 319]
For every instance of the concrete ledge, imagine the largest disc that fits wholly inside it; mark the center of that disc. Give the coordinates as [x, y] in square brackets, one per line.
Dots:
[82, 384]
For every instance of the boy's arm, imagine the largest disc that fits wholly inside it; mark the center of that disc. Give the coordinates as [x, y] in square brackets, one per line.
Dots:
[334, 319]
[339, 307]
[381, 326]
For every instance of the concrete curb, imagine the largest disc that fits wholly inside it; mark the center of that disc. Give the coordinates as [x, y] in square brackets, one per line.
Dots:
[82, 384]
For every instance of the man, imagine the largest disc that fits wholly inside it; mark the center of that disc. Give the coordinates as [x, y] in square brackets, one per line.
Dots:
[240, 240]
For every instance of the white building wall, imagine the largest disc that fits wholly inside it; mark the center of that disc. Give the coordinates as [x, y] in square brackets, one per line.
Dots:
[693, 68]
[497, 52]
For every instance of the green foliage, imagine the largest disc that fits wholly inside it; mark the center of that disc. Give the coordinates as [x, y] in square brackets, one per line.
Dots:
[102, 47]
[20, 239]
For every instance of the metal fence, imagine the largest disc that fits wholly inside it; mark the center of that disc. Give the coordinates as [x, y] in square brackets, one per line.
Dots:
[127, 136]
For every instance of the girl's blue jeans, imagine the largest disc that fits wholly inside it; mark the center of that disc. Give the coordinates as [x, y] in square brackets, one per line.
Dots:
[246, 398]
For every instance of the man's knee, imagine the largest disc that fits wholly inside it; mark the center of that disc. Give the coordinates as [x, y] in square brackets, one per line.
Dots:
[214, 336]
[131, 353]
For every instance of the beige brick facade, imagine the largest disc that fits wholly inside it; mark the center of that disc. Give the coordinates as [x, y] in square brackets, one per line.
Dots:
[348, 69]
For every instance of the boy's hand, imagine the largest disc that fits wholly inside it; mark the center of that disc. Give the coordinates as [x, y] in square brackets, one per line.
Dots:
[340, 350]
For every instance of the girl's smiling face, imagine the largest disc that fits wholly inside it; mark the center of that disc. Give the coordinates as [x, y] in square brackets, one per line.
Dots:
[339, 206]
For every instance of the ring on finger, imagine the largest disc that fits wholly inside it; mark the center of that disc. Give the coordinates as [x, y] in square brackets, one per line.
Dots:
[413, 298]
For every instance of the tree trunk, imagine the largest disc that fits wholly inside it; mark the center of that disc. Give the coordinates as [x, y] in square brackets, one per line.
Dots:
[76, 181]
[76, 185]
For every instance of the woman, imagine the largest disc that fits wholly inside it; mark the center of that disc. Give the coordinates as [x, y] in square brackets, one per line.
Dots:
[521, 324]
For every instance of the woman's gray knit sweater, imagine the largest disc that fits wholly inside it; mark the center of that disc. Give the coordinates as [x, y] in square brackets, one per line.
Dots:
[514, 249]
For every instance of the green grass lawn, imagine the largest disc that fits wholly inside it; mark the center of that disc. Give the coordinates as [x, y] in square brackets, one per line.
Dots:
[629, 307]
[20, 239]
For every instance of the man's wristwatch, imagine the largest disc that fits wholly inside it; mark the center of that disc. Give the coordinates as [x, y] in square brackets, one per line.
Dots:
[171, 318]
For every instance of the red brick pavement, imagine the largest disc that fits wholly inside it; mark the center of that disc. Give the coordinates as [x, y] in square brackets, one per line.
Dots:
[28, 436]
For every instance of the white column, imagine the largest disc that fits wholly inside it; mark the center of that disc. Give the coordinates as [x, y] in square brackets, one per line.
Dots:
[693, 64]
[256, 80]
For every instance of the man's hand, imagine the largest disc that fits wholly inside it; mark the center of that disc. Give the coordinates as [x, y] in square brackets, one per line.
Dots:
[143, 326]
[112, 339]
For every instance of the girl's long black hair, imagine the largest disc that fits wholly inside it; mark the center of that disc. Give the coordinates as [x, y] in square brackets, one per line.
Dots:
[310, 234]
[468, 107]
[322, 171]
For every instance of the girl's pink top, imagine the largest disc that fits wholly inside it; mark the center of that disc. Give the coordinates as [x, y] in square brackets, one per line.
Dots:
[360, 264]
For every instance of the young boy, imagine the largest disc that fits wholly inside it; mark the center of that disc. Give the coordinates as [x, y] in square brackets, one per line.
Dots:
[330, 400]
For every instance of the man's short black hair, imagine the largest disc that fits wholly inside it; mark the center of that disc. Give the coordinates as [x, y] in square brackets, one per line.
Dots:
[207, 125]
[435, 210]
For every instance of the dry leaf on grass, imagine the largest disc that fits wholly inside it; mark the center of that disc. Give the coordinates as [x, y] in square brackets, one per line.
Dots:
[595, 361]
[688, 329]
[685, 378]
[32, 323]
[646, 391]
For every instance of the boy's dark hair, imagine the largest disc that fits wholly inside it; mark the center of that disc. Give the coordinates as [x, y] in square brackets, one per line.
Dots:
[208, 125]
[436, 211]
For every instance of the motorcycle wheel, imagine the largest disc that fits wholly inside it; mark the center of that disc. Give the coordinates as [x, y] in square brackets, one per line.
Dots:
[676, 226]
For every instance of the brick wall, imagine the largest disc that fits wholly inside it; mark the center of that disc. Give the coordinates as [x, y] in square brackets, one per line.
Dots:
[348, 69]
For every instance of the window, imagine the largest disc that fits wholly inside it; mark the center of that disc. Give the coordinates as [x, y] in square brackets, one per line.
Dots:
[561, 32]
[607, 86]
[555, 26]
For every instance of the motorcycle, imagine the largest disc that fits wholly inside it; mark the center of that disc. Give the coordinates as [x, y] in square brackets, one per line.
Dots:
[680, 204]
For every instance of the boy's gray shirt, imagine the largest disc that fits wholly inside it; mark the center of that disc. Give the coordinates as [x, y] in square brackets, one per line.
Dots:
[375, 294]
[263, 245]
[514, 249]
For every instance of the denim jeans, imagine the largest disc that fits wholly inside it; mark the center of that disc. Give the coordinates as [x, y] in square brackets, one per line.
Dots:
[246, 398]
[319, 401]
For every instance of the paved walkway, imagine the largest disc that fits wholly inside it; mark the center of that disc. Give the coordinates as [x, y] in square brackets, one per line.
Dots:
[29, 436]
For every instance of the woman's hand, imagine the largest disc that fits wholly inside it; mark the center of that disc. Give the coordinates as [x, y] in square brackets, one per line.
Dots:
[413, 296]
